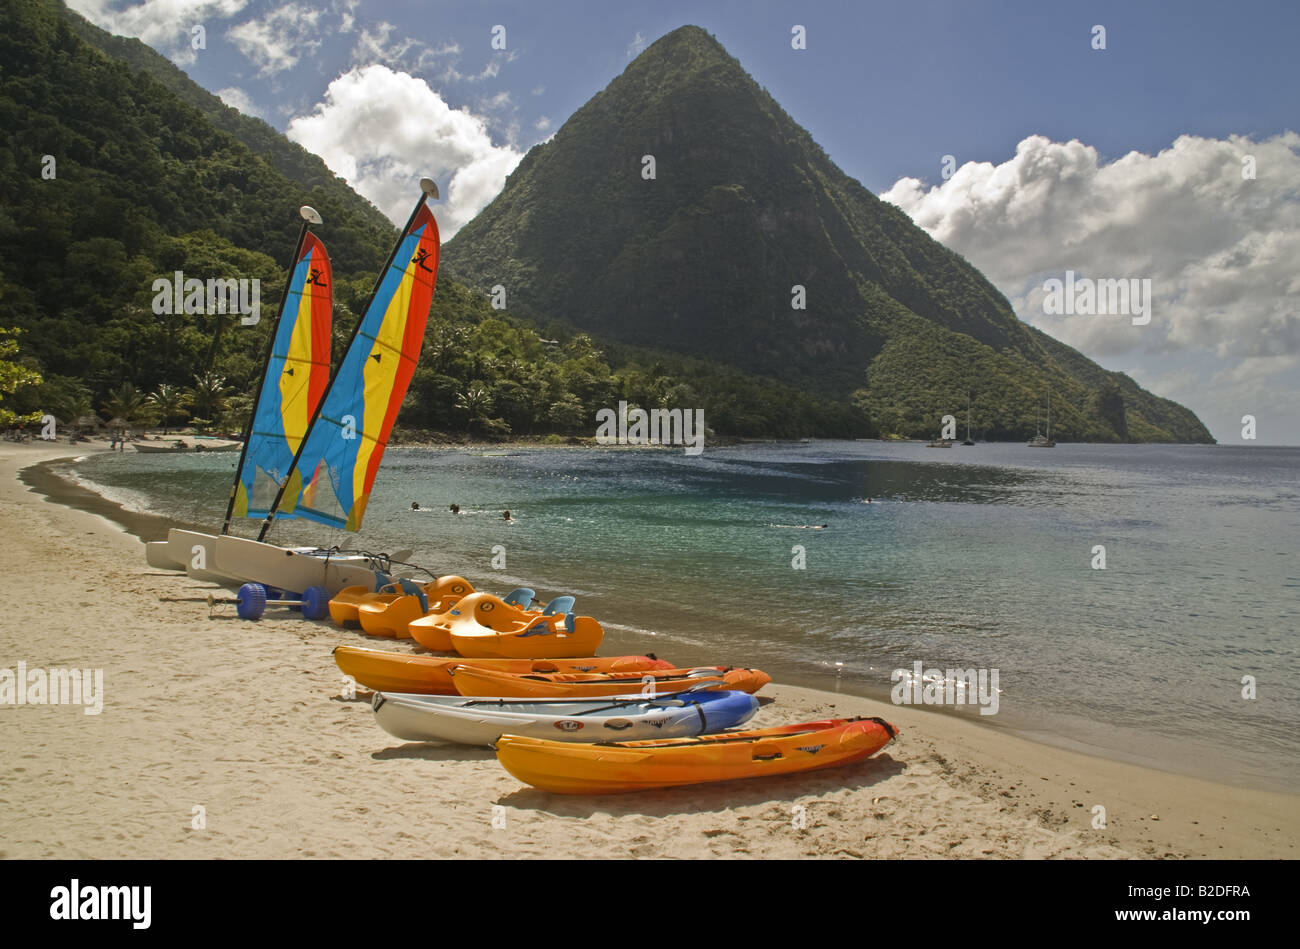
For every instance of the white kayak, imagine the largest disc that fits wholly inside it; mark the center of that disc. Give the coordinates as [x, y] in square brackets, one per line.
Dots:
[471, 721]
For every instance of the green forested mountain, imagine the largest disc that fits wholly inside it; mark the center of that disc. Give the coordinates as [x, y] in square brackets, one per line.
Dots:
[659, 302]
[743, 207]
[151, 174]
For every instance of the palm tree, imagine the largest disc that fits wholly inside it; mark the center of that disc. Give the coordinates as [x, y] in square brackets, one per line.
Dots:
[476, 402]
[128, 403]
[169, 402]
[207, 397]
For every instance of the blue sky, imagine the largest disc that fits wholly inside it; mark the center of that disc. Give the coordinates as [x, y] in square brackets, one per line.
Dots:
[1114, 163]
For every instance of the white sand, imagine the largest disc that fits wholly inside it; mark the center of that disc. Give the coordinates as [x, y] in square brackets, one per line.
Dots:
[247, 720]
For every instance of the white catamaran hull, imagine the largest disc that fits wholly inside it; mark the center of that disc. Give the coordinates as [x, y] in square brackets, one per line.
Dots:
[482, 721]
[289, 569]
[157, 553]
[198, 554]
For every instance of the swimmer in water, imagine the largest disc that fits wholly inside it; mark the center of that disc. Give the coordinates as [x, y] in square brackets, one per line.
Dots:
[415, 505]
[506, 515]
[454, 508]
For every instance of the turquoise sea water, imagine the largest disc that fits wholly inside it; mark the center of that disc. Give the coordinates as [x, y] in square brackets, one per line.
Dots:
[968, 557]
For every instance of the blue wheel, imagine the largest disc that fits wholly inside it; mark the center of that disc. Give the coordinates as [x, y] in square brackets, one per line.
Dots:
[315, 603]
[252, 601]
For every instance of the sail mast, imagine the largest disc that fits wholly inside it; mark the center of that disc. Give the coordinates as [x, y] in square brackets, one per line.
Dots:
[309, 217]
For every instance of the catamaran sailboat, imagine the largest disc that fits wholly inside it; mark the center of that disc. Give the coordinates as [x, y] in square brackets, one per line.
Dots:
[296, 461]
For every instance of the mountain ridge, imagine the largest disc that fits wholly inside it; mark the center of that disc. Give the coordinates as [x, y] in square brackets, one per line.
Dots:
[744, 206]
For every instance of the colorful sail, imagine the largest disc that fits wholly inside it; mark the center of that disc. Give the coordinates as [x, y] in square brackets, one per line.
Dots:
[344, 448]
[296, 378]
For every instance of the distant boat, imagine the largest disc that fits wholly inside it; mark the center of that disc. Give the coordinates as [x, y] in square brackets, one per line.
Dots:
[180, 445]
[1040, 440]
[967, 442]
[939, 443]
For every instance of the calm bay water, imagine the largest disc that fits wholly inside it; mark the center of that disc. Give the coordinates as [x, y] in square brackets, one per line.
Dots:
[967, 557]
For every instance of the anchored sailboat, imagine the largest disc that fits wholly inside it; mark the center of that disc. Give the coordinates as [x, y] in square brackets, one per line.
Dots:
[1040, 440]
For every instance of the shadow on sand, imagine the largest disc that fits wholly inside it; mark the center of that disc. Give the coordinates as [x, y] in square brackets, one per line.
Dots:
[430, 752]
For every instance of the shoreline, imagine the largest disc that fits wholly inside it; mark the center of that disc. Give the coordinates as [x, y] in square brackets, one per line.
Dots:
[59, 482]
[947, 787]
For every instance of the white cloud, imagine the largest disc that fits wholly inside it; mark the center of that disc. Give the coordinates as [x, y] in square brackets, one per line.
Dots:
[163, 24]
[280, 39]
[347, 14]
[635, 47]
[237, 98]
[380, 130]
[490, 71]
[406, 53]
[1220, 251]
[542, 124]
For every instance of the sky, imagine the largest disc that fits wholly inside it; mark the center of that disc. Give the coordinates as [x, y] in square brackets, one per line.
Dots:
[1171, 155]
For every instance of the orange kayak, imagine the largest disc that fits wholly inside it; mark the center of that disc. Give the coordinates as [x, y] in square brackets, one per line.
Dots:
[472, 680]
[427, 675]
[346, 604]
[616, 767]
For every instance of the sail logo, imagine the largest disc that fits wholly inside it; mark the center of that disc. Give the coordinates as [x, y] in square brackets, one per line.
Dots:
[656, 427]
[946, 687]
[23, 686]
[75, 901]
[1087, 297]
[194, 296]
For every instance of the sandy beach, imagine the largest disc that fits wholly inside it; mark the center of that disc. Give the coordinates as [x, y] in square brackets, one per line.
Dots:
[249, 723]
